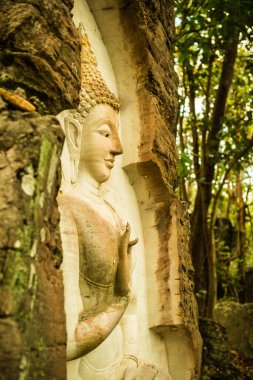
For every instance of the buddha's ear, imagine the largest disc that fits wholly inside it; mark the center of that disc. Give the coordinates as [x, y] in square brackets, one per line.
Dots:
[73, 133]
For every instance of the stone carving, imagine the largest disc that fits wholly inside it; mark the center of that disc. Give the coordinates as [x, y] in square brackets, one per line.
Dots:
[96, 242]
[100, 310]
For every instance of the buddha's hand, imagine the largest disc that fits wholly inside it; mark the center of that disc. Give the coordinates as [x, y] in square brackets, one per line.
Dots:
[132, 370]
[123, 273]
[128, 368]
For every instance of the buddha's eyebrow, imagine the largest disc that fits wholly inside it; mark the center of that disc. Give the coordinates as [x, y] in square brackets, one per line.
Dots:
[105, 120]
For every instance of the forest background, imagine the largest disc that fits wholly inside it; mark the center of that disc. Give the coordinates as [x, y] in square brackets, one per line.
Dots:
[214, 51]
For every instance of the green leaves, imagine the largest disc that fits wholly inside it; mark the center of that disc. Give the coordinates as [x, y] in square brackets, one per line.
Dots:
[213, 54]
[184, 165]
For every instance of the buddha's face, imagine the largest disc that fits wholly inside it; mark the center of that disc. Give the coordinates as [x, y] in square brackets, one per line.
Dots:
[100, 143]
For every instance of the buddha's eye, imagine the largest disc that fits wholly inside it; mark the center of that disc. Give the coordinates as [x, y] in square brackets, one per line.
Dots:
[105, 133]
[104, 130]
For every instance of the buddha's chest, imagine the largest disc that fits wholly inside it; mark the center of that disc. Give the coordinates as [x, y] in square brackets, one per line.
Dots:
[99, 243]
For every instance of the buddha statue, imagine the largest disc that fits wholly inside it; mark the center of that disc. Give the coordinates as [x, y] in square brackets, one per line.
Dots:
[96, 242]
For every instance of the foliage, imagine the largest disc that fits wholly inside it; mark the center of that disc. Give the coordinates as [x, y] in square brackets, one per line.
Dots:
[213, 54]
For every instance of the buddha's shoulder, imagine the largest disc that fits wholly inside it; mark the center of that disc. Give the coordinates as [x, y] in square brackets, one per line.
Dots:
[66, 197]
[74, 204]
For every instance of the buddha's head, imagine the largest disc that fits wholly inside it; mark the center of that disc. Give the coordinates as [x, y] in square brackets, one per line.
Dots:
[91, 130]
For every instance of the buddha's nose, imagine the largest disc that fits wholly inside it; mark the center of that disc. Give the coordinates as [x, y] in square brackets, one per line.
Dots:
[116, 147]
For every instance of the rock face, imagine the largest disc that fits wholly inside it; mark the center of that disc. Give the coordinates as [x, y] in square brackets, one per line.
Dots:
[217, 360]
[32, 321]
[39, 61]
[40, 52]
[237, 319]
[149, 29]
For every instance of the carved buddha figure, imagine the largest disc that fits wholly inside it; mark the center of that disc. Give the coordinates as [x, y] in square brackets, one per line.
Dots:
[96, 244]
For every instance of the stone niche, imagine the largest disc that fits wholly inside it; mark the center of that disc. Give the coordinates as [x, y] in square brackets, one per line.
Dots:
[132, 43]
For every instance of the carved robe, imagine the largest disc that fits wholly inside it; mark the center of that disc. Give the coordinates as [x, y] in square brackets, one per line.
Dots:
[91, 244]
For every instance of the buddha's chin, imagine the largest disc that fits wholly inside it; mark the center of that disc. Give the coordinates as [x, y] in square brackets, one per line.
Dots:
[98, 172]
[103, 176]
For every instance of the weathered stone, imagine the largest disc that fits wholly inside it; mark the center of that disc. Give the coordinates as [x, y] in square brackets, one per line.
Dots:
[11, 349]
[3, 104]
[7, 306]
[39, 61]
[149, 29]
[217, 360]
[237, 319]
[30, 250]
[40, 52]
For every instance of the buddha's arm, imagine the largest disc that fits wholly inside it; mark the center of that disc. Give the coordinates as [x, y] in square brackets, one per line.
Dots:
[129, 326]
[93, 330]
[70, 268]
[129, 320]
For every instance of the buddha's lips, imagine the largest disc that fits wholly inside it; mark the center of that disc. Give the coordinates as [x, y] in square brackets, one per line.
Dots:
[109, 162]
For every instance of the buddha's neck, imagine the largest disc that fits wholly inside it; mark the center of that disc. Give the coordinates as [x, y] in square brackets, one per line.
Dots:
[91, 191]
[88, 187]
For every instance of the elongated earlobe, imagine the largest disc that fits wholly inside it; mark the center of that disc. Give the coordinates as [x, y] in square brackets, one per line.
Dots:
[73, 133]
[74, 171]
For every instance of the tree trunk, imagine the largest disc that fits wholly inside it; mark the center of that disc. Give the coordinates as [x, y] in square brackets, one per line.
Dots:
[201, 235]
[241, 238]
[199, 255]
